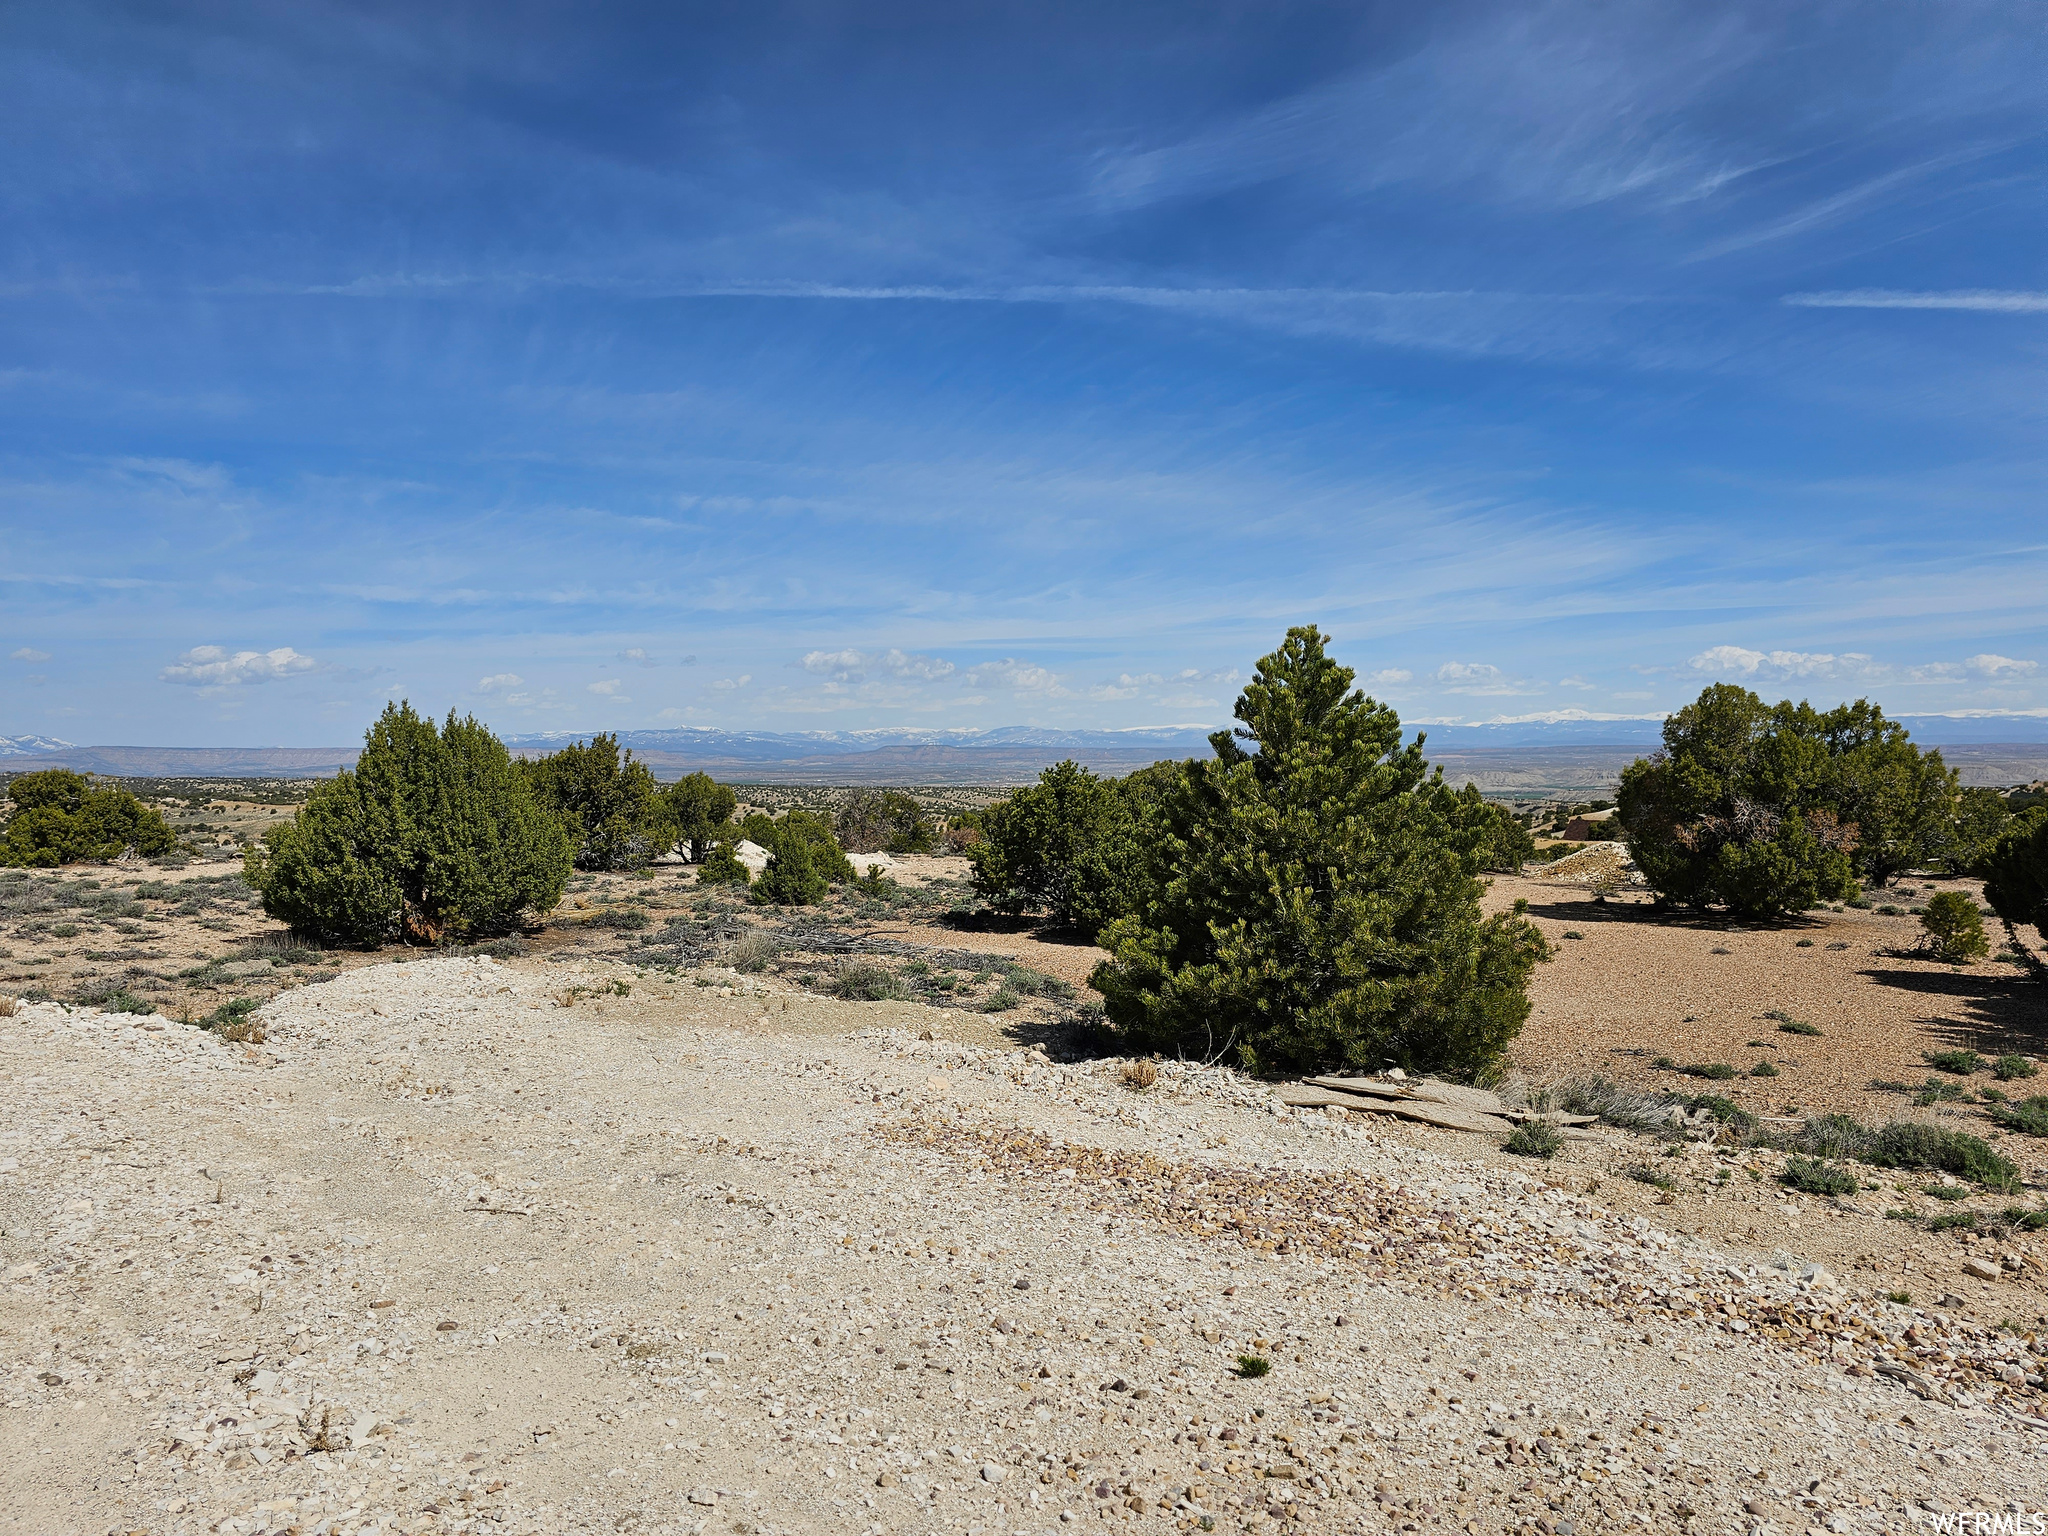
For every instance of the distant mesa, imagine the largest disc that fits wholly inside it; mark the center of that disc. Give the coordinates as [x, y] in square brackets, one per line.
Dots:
[1571, 753]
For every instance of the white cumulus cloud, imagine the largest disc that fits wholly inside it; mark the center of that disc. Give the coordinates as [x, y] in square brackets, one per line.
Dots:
[210, 666]
[609, 689]
[1480, 677]
[2001, 666]
[854, 666]
[1022, 676]
[727, 684]
[1388, 677]
[1740, 661]
[28, 653]
[499, 682]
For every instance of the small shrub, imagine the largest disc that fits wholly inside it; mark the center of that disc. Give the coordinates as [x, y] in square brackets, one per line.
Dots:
[8, 1006]
[1835, 1136]
[2007, 1068]
[1935, 1091]
[1615, 1105]
[1813, 1177]
[2026, 1220]
[792, 878]
[2028, 1115]
[1573, 933]
[876, 884]
[1002, 1000]
[916, 968]
[1961, 1063]
[1954, 929]
[754, 952]
[1953, 1221]
[1797, 1027]
[1889, 1085]
[1139, 1074]
[1899, 1298]
[1713, 1071]
[237, 1021]
[1763, 1069]
[1991, 1095]
[1946, 1191]
[1251, 1367]
[1727, 1111]
[64, 931]
[1803, 944]
[630, 919]
[1533, 1138]
[1643, 1173]
[863, 981]
[1030, 983]
[1911, 1144]
[1888, 910]
[722, 866]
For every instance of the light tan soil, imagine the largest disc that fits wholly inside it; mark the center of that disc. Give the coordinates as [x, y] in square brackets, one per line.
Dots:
[468, 1247]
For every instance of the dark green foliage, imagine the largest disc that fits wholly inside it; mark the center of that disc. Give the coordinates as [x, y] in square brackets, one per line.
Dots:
[1953, 1221]
[1981, 817]
[1947, 1191]
[1817, 1178]
[1643, 1173]
[1763, 1069]
[1955, 932]
[2029, 1115]
[2007, 1068]
[1251, 1367]
[700, 810]
[1713, 1071]
[630, 919]
[433, 834]
[1910, 1144]
[801, 830]
[1316, 907]
[883, 820]
[1070, 845]
[616, 815]
[1772, 810]
[1961, 1063]
[722, 866]
[2026, 1220]
[1791, 1026]
[61, 817]
[1533, 1138]
[1935, 1091]
[1497, 840]
[2016, 874]
[791, 879]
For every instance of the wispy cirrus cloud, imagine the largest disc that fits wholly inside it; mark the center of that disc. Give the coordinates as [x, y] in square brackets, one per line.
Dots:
[28, 653]
[1997, 301]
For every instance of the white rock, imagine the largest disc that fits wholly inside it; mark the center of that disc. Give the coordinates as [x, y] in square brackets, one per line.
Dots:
[991, 1473]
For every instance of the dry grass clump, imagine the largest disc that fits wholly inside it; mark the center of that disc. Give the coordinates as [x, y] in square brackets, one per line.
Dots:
[863, 981]
[7, 1006]
[752, 953]
[1139, 1074]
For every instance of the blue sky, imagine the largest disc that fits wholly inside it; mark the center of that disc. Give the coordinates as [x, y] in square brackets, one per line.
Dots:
[835, 366]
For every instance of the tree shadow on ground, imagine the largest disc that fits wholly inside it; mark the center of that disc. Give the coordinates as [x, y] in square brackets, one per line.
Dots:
[1044, 930]
[1649, 915]
[1990, 1012]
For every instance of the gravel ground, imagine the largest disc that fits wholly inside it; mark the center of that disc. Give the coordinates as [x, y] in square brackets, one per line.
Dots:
[469, 1246]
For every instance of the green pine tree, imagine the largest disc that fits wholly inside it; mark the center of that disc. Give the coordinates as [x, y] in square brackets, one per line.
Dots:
[1319, 908]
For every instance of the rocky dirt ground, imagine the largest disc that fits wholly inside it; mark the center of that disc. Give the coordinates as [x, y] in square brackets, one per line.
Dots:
[548, 1247]
[607, 1235]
